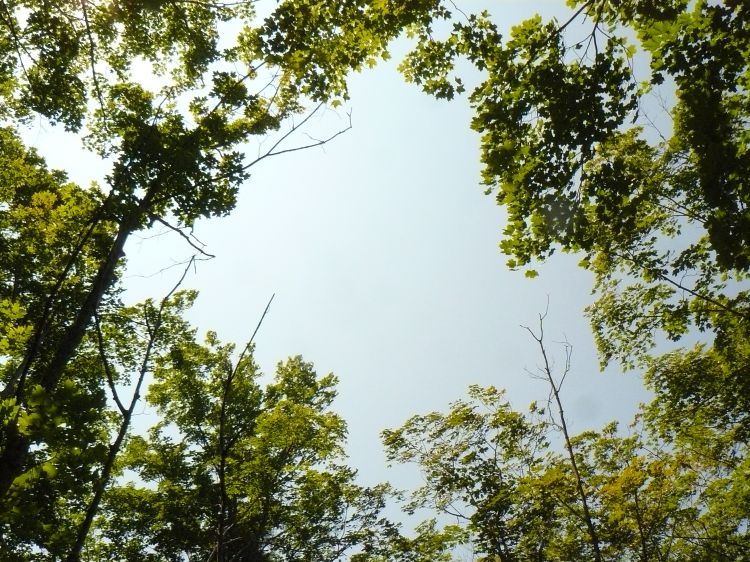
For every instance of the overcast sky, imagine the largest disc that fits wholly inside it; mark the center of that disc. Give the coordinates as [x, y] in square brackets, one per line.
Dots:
[383, 253]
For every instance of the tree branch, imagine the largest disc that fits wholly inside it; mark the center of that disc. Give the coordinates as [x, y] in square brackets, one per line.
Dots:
[182, 234]
[92, 61]
[107, 370]
[223, 442]
[93, 507]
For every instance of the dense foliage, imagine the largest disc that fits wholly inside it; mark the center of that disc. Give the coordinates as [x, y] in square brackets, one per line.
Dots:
[234, 471]
[222, 74]
[653, 200]
[238, 470]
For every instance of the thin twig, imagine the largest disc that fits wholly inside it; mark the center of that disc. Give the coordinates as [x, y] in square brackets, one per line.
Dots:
[252, 337]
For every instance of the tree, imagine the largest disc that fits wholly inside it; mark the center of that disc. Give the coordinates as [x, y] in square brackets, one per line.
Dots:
[224, 75]
[234, 471]
[524, 489]
[558, 148]
[49, 509]
[570, 150]
[473, 460]
[40, 284]
[561, 423]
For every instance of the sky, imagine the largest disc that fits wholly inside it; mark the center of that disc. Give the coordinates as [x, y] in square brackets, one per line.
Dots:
[382, 252]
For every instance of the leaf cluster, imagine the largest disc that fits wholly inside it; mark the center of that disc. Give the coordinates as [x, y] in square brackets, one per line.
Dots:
[499, 473]
[571, 152]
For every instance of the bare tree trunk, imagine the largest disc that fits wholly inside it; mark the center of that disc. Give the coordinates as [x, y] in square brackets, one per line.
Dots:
[555, 389]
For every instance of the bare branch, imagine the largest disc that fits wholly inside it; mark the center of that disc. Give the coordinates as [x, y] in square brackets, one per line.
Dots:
[252, 337]
[187, 238]
[191, 260]
[273, 152]
[105, 362]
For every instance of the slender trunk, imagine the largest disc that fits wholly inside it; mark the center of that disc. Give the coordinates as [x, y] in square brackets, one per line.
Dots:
[222, 527]
[93, 507]
[223, 452]
[579, 481]
[641, 535]
[588, 520]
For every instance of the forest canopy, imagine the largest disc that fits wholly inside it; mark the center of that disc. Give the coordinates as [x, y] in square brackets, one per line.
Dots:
[235, 469]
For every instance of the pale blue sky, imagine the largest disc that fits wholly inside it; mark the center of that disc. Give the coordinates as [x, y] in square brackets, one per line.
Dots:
[382, 251]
